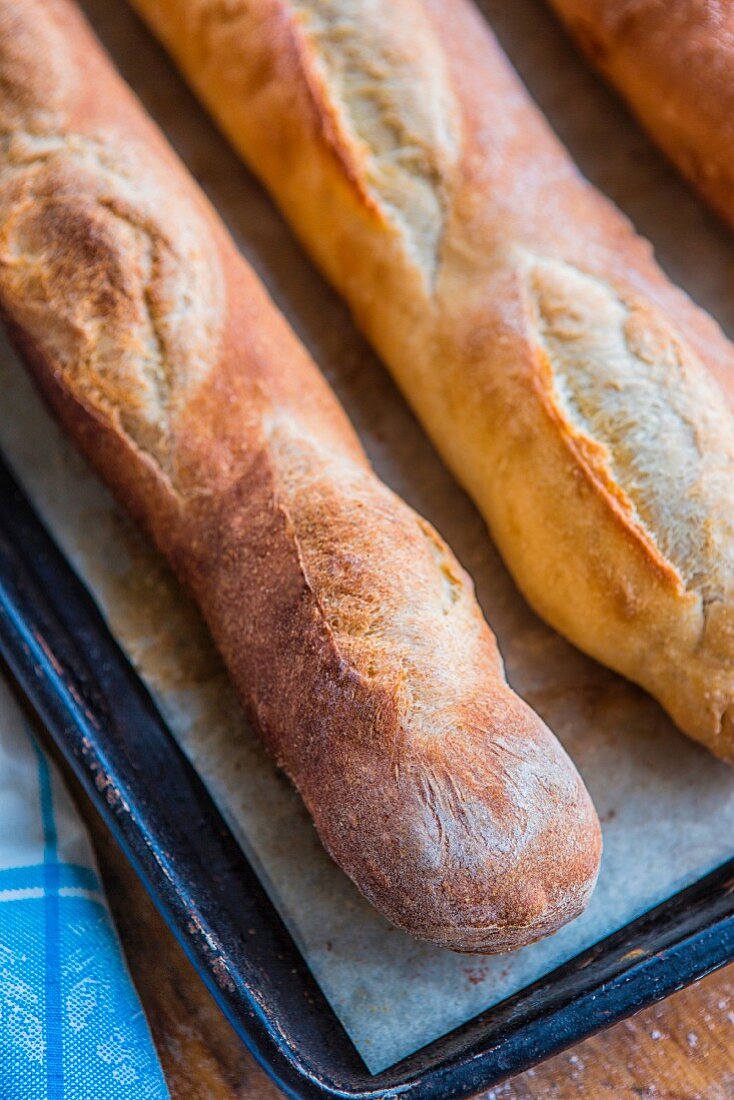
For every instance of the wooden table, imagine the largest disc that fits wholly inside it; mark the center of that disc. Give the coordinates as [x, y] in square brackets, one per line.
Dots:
[682, 1049]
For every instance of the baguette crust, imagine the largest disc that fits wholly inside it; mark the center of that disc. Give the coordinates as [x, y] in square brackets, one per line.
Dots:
[350, 631]
[583, 401]
[673, 62]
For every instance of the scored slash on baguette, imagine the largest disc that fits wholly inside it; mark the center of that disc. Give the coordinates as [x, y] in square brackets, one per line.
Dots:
[583, 401]
[350, 630]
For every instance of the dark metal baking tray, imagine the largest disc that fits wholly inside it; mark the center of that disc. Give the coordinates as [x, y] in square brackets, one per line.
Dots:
[83, 688]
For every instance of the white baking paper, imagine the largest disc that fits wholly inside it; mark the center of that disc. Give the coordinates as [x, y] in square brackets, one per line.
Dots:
[667, 807]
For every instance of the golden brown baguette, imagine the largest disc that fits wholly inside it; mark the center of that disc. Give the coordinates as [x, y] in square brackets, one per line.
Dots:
[673, 62]
[350, 630]
[576, 394]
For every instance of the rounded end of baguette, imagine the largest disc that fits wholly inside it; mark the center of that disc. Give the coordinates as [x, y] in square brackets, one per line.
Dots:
[479, 837]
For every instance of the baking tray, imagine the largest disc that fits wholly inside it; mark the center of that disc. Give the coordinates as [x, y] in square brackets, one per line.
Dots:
[83, 688]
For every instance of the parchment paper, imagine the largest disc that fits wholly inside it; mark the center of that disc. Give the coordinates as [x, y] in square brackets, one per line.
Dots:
[667, 807]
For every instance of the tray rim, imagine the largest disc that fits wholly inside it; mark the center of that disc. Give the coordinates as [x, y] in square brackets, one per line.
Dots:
[66, 662]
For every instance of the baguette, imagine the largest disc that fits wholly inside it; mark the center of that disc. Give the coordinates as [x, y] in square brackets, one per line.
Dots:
[673, 63]
[350, 631]
[582, 400]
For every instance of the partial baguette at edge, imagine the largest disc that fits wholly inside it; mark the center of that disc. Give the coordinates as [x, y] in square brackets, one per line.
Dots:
[673, 63]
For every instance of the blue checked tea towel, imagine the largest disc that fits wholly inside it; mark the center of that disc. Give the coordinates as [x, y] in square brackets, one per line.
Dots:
[71, 1025]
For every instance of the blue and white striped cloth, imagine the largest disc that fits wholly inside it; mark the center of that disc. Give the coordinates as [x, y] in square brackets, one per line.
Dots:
[71, 1025]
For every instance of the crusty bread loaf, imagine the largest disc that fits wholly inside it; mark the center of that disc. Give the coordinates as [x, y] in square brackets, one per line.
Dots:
[350, 630]
[673, 61]
[576, 394]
